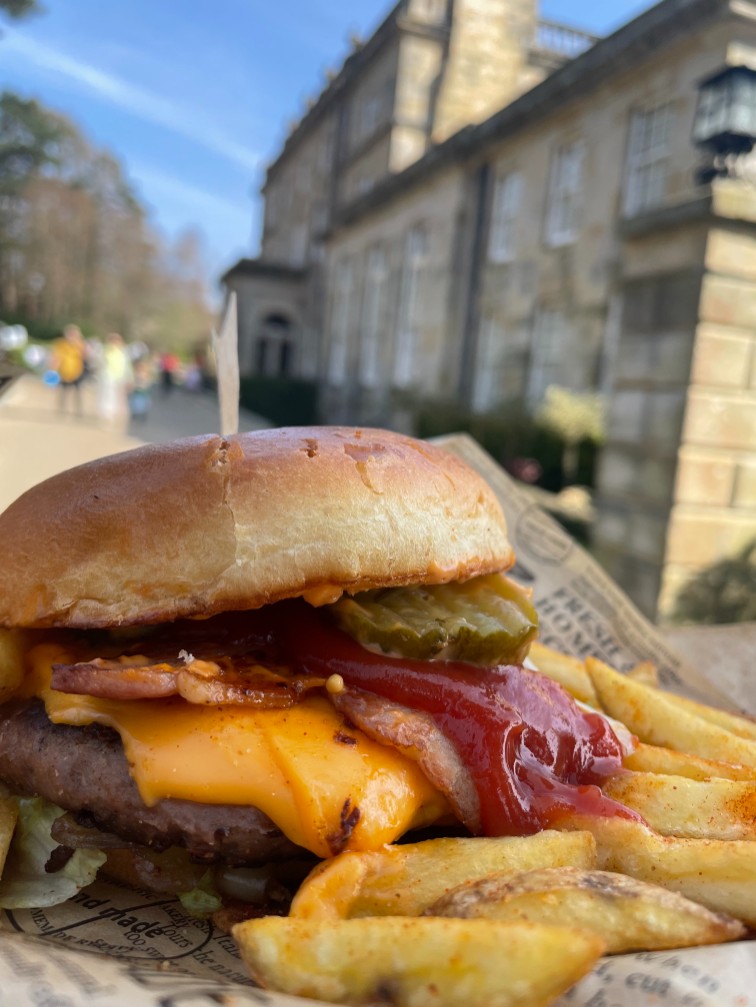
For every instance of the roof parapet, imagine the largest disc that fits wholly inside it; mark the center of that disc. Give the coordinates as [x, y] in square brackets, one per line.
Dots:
[562, 41]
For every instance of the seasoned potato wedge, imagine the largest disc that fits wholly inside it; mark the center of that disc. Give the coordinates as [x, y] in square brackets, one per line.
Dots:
[741, 726]
[694, 809]
[645, 672]
[717, 873]
[657, 720]
[568, 671]
[628, 914]
[405, 880]
[653, 759]
[417, 962]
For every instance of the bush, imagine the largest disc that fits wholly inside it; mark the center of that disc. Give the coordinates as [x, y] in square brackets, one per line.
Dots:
[724, 592]
[528, 449]
[436, 418]
[284, 401]
[587, 463]
[39, 331]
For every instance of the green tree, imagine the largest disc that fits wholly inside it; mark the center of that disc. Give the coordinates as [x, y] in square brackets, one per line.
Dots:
[182, 321]
[76, 243]
[20, 8]
[32, 142]
[74, 239]
[31, 139]
[722, 593]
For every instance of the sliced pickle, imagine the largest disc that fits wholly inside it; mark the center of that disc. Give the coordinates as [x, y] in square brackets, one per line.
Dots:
[487, 620]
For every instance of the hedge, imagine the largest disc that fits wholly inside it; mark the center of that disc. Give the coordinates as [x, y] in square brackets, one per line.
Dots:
[283, 401]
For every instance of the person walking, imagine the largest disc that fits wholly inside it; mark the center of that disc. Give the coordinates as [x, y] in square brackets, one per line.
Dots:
[114, 380]
[67, 360]
[169, 368]
[140, 396]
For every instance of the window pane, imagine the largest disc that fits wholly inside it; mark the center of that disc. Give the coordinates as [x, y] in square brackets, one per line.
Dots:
[409, 303]
[565, 195]
[372, 317]
[486, 372]
[647, 158]
[550, 348]
[504, 210]
[342, 298]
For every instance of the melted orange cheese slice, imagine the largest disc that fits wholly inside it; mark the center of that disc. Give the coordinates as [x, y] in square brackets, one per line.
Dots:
[294, 765]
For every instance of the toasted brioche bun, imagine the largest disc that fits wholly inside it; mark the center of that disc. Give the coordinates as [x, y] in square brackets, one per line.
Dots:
[208, 524]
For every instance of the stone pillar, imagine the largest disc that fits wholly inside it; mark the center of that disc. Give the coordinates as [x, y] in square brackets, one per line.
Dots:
[645, 415]
[677, 480]
[714, 509]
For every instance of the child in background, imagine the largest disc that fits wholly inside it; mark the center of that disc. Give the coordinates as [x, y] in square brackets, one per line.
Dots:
[140, 399]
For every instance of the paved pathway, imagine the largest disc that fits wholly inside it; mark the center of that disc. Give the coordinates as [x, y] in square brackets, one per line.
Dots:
[183, 414]
[37, 440]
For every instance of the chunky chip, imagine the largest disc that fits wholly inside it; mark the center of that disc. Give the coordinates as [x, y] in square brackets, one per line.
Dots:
[655, 759]
[568, 671]
[694, 809]
[743, 727]
[404, 880]
[628, 914]
[645, 672]
[657, 720]
[417, 962]
[719, 874]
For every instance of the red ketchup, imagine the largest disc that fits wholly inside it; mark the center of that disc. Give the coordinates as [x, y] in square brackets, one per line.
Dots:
[532, 752]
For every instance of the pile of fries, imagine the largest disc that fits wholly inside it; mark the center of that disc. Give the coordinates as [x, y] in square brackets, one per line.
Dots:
[517, 921]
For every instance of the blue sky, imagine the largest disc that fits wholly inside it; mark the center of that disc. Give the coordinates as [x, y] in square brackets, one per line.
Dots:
[194, 96]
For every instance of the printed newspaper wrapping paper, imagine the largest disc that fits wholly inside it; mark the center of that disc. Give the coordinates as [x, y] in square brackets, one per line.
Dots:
[115, 946]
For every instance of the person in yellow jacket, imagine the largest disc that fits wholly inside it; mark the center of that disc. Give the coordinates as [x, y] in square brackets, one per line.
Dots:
[67, 360]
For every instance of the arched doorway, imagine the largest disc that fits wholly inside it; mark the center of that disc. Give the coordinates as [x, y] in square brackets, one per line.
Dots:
[274, 346]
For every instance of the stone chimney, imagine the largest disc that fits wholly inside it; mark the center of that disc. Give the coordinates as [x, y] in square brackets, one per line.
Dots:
[485, 65]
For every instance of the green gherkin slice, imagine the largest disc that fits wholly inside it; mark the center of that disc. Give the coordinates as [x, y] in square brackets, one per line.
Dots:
[487, 620]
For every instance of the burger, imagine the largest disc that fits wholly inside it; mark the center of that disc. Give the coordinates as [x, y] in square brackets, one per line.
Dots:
[224, 653]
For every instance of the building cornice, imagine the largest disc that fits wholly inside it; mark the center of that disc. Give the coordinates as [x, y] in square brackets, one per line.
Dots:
[677, 215]
[410, 26]
[264, 269]
[727, 199]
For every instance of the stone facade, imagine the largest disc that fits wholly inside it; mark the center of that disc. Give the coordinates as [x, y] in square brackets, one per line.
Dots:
[714, 509]
[566, 239]
[432, 67]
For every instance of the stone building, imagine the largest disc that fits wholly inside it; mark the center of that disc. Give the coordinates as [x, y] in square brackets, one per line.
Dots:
[432, 68]
[481, 204]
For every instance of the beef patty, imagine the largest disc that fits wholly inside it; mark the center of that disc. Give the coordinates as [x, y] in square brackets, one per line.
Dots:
[84, 770]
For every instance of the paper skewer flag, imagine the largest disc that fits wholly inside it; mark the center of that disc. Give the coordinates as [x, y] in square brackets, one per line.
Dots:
[226, 349]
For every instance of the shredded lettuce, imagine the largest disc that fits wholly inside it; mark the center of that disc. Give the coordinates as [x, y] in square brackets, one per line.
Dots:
[25, 884]
[202, 900]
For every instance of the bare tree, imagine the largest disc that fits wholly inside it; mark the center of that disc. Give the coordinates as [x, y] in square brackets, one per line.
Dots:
[76, 244]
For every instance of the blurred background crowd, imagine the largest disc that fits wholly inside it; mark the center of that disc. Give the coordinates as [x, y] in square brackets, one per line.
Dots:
[106, 378]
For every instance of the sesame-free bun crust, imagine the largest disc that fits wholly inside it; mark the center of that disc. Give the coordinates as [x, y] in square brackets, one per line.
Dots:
[209, 524]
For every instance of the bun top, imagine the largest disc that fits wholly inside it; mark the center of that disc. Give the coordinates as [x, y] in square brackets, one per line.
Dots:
[210, 524]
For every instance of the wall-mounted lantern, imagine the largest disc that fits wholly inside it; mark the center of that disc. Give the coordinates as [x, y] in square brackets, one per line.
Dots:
[725, 122]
